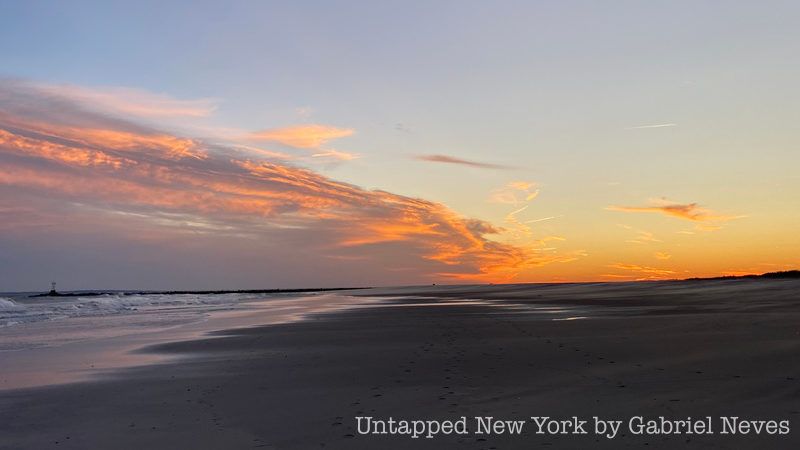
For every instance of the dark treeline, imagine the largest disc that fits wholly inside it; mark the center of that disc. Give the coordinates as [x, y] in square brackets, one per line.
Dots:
[786, 274]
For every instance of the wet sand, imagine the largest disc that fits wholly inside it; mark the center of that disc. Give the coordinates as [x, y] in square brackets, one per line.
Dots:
[673, 349]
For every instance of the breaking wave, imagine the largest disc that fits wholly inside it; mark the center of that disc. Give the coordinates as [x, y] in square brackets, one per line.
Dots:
[26, 310]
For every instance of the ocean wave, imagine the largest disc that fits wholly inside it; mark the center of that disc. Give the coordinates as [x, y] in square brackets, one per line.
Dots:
[6, 304]
[25, 310]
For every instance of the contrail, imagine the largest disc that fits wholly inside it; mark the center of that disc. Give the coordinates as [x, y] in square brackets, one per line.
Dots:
[542, 219]
[658, 125]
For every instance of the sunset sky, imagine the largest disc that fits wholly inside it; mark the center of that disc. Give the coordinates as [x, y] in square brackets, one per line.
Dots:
[200, 145]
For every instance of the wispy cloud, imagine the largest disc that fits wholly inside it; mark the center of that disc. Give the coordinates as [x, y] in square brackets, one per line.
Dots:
[335, 154]
[520, 231]
[686, 211]
[464, 162]
[304, 112]
[311, 136]
[515, 193]
[127, 101]
[642, 236]
[657, 125]
[258, 151]
[662, 255]
[708, 226]
[646, 271]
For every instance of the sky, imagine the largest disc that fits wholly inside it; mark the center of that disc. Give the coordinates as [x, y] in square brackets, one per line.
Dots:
[234, 145]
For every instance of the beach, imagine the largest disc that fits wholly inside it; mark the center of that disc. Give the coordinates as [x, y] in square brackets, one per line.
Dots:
[702, 349]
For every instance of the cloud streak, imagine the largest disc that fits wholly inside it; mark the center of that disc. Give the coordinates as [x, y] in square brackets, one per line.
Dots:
[646, 272]
[464, 162]
[686, 211]
[336, 155]
[658, 125]
[128, 101]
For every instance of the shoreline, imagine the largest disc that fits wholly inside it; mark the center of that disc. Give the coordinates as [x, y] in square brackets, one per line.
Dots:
[783, 275]
[90, 357]
[95, 293]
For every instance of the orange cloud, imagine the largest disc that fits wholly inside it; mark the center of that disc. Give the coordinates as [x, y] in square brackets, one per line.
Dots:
[97, 139]
[689, 211]
[507, 266]
[114, 166]
[662, 256]
[302, 136]
[647, 272]
[53, 151]
[642, 236]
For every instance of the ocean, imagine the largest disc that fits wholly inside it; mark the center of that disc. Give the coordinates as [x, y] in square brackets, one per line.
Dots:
[51, 340]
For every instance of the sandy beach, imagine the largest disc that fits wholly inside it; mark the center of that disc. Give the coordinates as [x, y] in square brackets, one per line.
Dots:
[718, 348]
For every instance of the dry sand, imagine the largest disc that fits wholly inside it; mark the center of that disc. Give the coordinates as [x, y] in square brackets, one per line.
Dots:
[674, 349]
